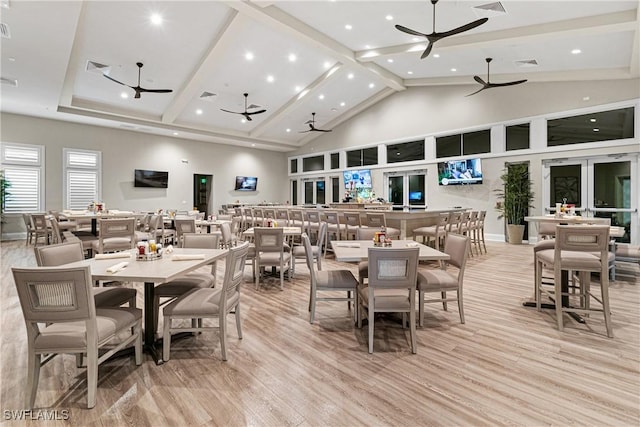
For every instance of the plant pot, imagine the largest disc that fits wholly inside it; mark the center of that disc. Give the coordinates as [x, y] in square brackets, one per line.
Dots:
[515, 233]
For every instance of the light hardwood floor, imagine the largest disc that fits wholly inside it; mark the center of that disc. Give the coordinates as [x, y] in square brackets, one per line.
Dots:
[508, 365]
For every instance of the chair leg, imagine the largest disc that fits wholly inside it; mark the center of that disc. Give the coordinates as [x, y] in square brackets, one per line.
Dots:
[238, 323]
[33, 377]
[412, 331]
[92, 376]
[371, 317]
[223, 335]
[460, 309]
[138, 344]
[421, 307]
[312, 305]
[166, 339]
[604, 289]
[558, 296]
[443, 294]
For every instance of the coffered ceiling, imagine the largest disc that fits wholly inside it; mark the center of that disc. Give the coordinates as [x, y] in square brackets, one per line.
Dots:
[293, 58]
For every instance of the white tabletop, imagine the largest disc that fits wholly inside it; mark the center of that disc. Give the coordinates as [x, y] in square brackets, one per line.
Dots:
[288, 231]
[575, 219]
[358, 250]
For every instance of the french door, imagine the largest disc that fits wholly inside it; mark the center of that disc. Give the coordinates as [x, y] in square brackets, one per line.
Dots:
[314, 192]
[605, 187]
[407, 189]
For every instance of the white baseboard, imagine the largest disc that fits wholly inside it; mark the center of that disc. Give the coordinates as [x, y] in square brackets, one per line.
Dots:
[14, 236]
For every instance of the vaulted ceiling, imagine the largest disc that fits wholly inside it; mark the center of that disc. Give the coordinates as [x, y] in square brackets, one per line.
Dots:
[293, 58]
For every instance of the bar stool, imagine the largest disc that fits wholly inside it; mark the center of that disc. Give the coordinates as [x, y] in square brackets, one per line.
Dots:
[583, 249]
[352, 223]
[435, 233]
[378, 219]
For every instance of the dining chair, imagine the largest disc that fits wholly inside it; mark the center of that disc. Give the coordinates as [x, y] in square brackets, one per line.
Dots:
[547, 230]
[300, 253]
[312, 219]
[40, 227]
[258, 217]
[63, 223]
[334, 226]
[333, 281]
[583, 249]
[365, 233]
[111, 295]
[480, 225]
[204, 277]
[440, 280]
[61, 317]
[352, 223]
[282, 217]
[28, 224]
[183, 226]
[116, 234]
[296, 218]
[205, 303]
[435, 233]
[391, 288]
[270, 252]
[379, 219]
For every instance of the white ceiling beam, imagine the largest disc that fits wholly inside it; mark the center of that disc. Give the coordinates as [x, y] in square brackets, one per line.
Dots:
[634, 65]
[231, 29]
[66, 94]
[286, 23]
[540, 33]
[290, 105]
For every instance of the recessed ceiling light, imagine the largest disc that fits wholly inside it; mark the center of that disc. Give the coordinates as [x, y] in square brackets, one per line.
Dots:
[253, 145]
[248, 56]
[342, 104]
[348, 27]
[270, 78]
[454, 70]
[321, 96]
[576, 51]
[12, 59]
[175, 134]
[288, 130]
[585, 98]
[436, 55]
[592, 120]
[298, 88]
[124, 95]
[350, 76]
[327, 64]
[156, 19]
[367, 46]
[416, 39]
[371, 85]
[389, 18]
[409, 72]
[596, 130]
[199, 112]
[243, 121]
[292, 57]
[389, 60]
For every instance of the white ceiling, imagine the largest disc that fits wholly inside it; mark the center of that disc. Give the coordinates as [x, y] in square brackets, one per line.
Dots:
[201, 46]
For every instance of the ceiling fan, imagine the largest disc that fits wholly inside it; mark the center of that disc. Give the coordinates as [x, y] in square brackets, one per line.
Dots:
[246, 113]
[434, 37]
[312, 125]
[138, 88]
[488, 84]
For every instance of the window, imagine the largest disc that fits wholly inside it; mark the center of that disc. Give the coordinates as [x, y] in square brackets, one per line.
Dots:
[405, 152]
[315, 163]
[82, 176]
[464, 144]
[517, 137]
[294, 165]
[24, 169]
[364, 157]
[335, 160]
[600, 126]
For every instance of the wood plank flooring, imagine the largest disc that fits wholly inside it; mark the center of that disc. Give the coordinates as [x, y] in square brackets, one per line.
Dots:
[508, 365]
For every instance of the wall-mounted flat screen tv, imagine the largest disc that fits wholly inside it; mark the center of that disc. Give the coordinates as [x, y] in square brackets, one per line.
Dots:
[356, 179]
[246, 183]
[154, 179]
[458, 172]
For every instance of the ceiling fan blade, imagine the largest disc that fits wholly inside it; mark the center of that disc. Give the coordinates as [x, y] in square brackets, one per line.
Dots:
[232, 112]
[257, 112]
[248, 117]
[155, 90]
[463, 28]
[410, 31]
[304, 131]
[322, 130]
[479, 90]
[427, 51]
[479, 80]
[116, 81]
[517, 82]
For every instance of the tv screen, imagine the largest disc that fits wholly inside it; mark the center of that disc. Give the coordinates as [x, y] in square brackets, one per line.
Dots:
[154, 179]
[246, 183]
[458, 172]
[415, 195]
[357, 179]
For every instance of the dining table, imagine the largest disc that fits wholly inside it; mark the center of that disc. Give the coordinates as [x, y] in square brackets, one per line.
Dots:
[95, 216]
[358, 250]
[287, 231]
[124, 267]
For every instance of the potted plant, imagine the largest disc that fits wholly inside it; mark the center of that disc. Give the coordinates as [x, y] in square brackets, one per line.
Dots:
[514, 199]
[4, 193]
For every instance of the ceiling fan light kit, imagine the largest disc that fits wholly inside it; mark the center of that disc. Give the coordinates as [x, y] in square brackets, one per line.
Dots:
[435, 36]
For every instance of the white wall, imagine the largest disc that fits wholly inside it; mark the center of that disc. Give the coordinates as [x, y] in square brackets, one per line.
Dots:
[123, 151]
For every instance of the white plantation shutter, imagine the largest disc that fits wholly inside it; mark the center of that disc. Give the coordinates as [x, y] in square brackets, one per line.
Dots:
[82, 178]
[23, 167]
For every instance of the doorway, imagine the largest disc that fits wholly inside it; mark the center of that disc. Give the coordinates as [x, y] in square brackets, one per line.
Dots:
[202, 185]
[407, 189]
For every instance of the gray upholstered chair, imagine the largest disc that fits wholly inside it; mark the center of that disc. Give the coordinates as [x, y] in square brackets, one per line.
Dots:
[61, 317]
[64, 253]
[28, 224]
[184, 226]
[299, 252]
[435, 233]
[329, 281]
[352, 223]
[270, 252]
[379, 220]
[438, 280]
[207, 303]
[391, 288]
[116, 234]
[547, 230]
[365, 233]
[204, 277]
[41, 228]
[583, 249]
